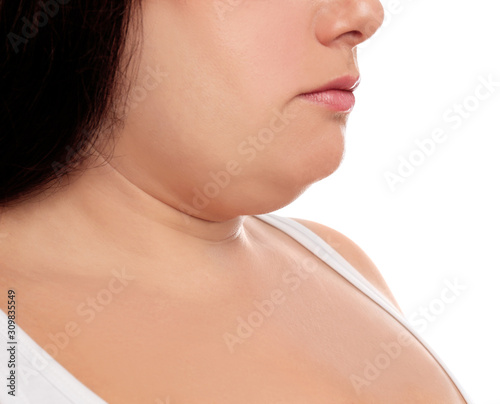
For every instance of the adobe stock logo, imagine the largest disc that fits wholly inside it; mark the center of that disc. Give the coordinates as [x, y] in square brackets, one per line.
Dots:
[390, 351]
[249, 148]
[455, 116]
[40, 19]
[429, 313]
[86, 312]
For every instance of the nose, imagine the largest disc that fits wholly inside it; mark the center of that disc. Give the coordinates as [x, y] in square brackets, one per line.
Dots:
[349, 21]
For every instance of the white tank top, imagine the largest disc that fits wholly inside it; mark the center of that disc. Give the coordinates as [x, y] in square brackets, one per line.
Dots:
[40, 379]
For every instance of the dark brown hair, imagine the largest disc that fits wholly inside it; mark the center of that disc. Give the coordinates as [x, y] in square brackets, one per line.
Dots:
[60, 66]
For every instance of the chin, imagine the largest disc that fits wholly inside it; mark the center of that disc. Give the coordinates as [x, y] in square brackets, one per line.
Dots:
[285, 180]
[255, 198]
[322, 164]
[299, 178]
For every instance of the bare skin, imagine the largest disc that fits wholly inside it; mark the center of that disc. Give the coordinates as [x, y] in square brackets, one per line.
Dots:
[189, 271]
[166, 327]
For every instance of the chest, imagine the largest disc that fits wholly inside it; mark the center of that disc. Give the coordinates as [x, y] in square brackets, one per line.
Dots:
[296, 334]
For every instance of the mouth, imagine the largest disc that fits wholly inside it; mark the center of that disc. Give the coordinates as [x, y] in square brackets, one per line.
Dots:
[336, 95]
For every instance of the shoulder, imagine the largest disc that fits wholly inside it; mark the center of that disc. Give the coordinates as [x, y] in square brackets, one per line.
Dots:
[353, 254]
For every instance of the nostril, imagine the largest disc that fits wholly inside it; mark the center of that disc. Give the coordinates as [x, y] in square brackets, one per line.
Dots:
[352, 37]
[357, 35]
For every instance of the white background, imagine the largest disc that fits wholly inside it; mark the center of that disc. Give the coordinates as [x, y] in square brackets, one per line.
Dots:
[442, 223]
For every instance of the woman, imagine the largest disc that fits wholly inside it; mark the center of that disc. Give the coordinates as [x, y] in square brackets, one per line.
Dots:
[143, 146]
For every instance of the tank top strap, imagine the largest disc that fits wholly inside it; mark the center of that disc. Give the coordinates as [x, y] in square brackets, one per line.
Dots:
[327, 254]
[338, 263]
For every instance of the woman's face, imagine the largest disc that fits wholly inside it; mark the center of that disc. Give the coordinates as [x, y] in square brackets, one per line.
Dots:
[214, 123]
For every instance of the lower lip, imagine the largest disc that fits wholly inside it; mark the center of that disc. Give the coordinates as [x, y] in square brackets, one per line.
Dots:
[334, 100]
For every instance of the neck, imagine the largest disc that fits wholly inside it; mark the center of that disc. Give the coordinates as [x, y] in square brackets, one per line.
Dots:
[124, 212]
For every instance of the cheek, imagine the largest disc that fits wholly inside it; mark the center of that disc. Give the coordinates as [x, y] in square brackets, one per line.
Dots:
[224, 75]
[267, 48]
[222, 81]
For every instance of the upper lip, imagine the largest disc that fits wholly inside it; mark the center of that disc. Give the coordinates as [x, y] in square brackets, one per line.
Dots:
[346, 83]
